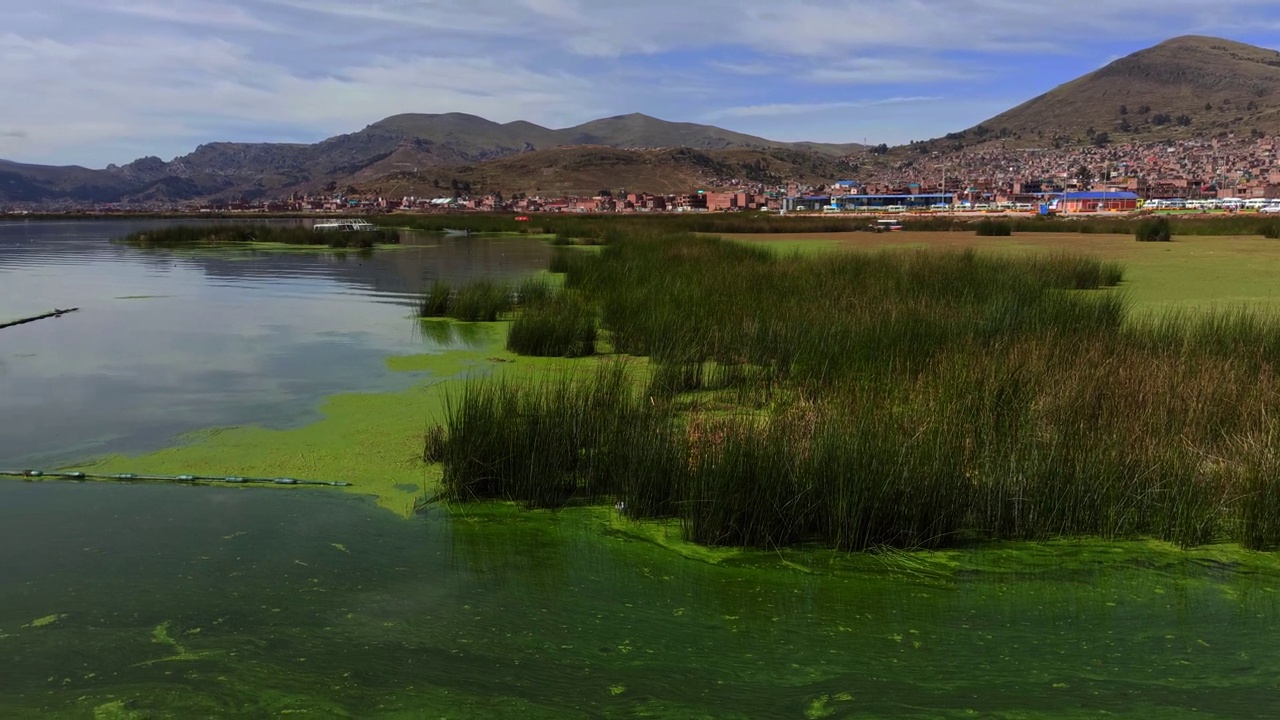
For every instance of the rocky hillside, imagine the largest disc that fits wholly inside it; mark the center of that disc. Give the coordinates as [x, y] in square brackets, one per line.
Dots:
[588, 170]
[1186, 87]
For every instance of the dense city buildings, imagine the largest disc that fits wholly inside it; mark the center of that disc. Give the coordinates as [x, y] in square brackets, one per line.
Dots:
[1101, 177]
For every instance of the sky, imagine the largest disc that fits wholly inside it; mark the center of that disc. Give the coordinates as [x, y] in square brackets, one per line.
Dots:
[93, 82]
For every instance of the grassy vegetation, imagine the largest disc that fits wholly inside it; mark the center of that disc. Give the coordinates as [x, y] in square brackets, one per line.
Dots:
[479, 301]
[993, 228]
[902, 399]
[196, 235]
[1240, 224]
[548, 322]
[559, 325]
[588, 229]
[1154, 230]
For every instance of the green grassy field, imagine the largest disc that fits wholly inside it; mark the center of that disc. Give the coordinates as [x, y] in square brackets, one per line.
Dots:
[1190, 272]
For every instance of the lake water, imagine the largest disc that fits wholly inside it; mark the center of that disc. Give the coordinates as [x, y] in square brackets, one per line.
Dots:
[167, 342]
[120, 601]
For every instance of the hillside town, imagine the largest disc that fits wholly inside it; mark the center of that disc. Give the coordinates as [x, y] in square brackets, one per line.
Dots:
[985, 175]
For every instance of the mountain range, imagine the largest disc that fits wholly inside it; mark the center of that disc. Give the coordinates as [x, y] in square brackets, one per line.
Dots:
[390, 147]
[1185, 87]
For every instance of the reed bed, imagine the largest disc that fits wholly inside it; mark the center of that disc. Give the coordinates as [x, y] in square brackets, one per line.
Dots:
[603, 229]
[993, 228]
[478, 301]
[908, 399]
[1238, 224]
[558, 325]
[199, 235]
[1154, 230]
[548, 322]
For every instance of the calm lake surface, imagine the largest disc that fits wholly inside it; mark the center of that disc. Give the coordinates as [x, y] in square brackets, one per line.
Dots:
[123, 601]
[168, 342]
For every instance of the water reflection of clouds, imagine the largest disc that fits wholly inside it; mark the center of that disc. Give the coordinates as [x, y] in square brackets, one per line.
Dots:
[166, 344]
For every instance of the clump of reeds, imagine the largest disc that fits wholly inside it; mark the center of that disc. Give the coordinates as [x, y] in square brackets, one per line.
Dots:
[434, 442]
[1154, 230]
[993, 228]
[436, 300]
[481, 300]
[559, 325]
[543, 444]
[533, 291]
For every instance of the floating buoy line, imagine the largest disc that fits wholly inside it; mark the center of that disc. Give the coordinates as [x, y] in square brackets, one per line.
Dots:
[128, 477]
[56, 313]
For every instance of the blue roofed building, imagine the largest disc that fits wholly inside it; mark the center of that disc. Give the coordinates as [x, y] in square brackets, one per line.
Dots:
[1074, 202]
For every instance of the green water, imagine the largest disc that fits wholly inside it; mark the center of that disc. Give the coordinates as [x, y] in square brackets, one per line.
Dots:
[157, 601]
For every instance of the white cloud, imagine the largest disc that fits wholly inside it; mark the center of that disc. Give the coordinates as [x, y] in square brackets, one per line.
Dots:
[171, 86]
[102, 81]
[779, 109]
[878, 70]
[190, 12]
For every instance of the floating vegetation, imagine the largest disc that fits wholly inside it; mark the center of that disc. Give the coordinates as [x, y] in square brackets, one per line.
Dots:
[197, 235]
[45, 621]
[896, 400]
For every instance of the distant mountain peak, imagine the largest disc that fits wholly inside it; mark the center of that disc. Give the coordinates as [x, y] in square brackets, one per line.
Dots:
[1187, 86]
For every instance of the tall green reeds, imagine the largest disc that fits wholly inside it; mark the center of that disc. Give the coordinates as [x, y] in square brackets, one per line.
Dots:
[561, 325]
[1154, 230]
[993, 228]
[481, 300]
[902, 399]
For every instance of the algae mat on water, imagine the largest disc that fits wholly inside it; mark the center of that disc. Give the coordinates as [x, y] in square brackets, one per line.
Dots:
[491, 610]
[372, 440]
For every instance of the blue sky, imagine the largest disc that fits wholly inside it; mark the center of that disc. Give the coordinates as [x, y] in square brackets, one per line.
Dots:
[93, 82]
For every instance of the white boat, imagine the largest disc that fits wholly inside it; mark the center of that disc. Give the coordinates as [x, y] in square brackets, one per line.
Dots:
[344, 226]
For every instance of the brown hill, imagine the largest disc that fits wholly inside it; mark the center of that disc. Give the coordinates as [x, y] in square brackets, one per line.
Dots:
[410, 143]
[588, 170]
[1185, 87]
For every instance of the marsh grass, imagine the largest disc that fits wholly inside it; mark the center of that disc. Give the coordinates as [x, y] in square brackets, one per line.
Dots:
[605, 229]
[993, 228]
[559, 325]
[197, 235]
[481, 300]
[1154, 230]
[904, 399]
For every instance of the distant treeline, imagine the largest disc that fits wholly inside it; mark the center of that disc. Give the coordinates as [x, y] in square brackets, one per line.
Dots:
[192, 235]
[602, 227]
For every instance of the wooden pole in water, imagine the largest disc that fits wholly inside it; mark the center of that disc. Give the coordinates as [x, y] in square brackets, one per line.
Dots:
[55, 313]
